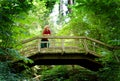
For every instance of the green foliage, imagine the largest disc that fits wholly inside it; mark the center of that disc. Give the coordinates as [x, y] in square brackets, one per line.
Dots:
[8, 10]
[111, 70]
[7, 56]
[110, 73]
[56, 73]
[15, 20]
[49, 4]
[75, 27]
[10, 7]
[94, 18]
[12, 55]
[64, 73]
[114, 42]
[7, 75]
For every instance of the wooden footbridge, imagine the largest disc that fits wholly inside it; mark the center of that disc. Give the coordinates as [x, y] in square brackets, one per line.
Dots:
[62, 50]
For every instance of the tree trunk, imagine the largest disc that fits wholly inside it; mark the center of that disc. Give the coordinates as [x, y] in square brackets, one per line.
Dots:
[70, 2]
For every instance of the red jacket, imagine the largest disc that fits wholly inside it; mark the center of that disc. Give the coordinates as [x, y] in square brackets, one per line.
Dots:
[46, 32]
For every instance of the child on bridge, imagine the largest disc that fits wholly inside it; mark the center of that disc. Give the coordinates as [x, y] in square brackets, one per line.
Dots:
[46, 32]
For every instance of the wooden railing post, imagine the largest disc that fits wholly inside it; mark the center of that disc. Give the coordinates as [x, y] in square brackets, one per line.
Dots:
[93, 44]
[39, 45]
[85, 46]
[63, 49]
[47, 44]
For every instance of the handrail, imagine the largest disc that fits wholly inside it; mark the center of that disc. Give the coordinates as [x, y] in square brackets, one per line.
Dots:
[66, 37]
[86, 43]
[99, 42]
[52, 37]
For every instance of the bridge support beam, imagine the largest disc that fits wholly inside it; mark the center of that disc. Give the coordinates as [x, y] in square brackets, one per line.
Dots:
[87, 61]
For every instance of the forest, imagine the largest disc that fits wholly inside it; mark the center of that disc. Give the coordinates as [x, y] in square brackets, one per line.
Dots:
[25, 19]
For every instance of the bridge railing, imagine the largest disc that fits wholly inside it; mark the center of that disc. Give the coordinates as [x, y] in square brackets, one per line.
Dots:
[97, 47]
[61, 44]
